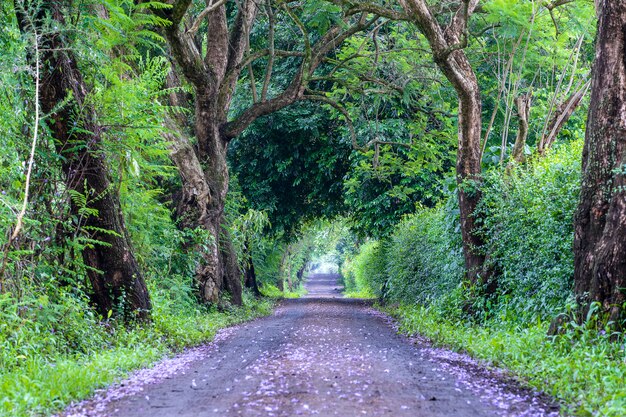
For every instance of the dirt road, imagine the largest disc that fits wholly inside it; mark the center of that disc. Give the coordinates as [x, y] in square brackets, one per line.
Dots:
[319, 355]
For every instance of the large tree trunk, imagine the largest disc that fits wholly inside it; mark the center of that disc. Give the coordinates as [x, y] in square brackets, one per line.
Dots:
[114, 274]
[600, 221]
[202, 206]
[203, 194]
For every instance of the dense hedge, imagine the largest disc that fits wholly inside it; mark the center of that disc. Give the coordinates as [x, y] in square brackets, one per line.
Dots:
[425, 258]
[366, 272]
[528, 229]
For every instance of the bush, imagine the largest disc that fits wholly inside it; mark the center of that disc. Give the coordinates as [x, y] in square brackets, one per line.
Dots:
[528, 232]
[425, 259]
[527, 226]
[366, 273]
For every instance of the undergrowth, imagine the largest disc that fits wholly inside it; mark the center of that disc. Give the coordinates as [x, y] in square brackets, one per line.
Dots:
[55, 352]
[273, 292]
[362, 293]
[582, 368]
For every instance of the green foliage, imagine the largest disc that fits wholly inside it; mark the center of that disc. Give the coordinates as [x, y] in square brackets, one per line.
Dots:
[366, 272]
[378, 196]
[424, 257]
[402, 122]
[585, 370]
[267, 257]
[528, 232]
[533, 50]
[272, 292]
[527, 227]
[291, 180]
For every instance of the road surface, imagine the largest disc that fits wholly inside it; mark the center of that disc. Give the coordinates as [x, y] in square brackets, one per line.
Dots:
[320, 355]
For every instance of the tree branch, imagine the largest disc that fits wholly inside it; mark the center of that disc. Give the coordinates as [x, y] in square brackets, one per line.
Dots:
[318, 97]
[295, 90]
[210, 8]
[556, 3]
[270, 60]
[382, 11]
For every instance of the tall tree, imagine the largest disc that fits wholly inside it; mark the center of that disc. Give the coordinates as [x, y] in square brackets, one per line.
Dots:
[600, 221]
[211, 49]
[445, 26]
[113, 271]
[447, 43]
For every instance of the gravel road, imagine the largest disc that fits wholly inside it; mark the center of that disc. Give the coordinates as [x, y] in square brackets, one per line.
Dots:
[319, 355]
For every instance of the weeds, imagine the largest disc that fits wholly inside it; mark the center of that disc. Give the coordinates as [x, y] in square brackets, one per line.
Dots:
[55, 352]
[583, 369]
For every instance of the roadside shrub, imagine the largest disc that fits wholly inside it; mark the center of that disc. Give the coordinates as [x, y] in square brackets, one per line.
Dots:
[347, 275]
[53, 323]
[528, 229]
[425, 259]
[527, 226]
[369, 268]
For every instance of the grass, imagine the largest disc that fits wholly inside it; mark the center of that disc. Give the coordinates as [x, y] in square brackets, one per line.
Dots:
[40, 384]
[583, 369]
[365, 293]
[271, 291]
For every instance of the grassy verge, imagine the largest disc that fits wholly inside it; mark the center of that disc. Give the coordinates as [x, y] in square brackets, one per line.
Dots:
[271, 291]
[362, 293]
[41, 383]
[584, 370]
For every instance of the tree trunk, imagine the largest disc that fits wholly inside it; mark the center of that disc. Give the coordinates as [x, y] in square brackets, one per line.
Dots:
[205, 185]
[523, 112]
[249, 273]
[459, 72]
[202, 206]
[231, 271]
[447, 47]
[300, 274]
[113, 271]
[600, 220]
[203, 194]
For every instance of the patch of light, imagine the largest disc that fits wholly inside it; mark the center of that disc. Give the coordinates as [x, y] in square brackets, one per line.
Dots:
[325, 268]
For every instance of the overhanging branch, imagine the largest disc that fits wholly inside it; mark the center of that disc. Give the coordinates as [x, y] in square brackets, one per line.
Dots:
[204, 13]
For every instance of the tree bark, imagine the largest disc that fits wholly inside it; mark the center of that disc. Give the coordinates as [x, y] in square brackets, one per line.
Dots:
[600, 220]
[113, 271]
[201, 205]
[523, 112]
[250, 280]
[203, 194]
